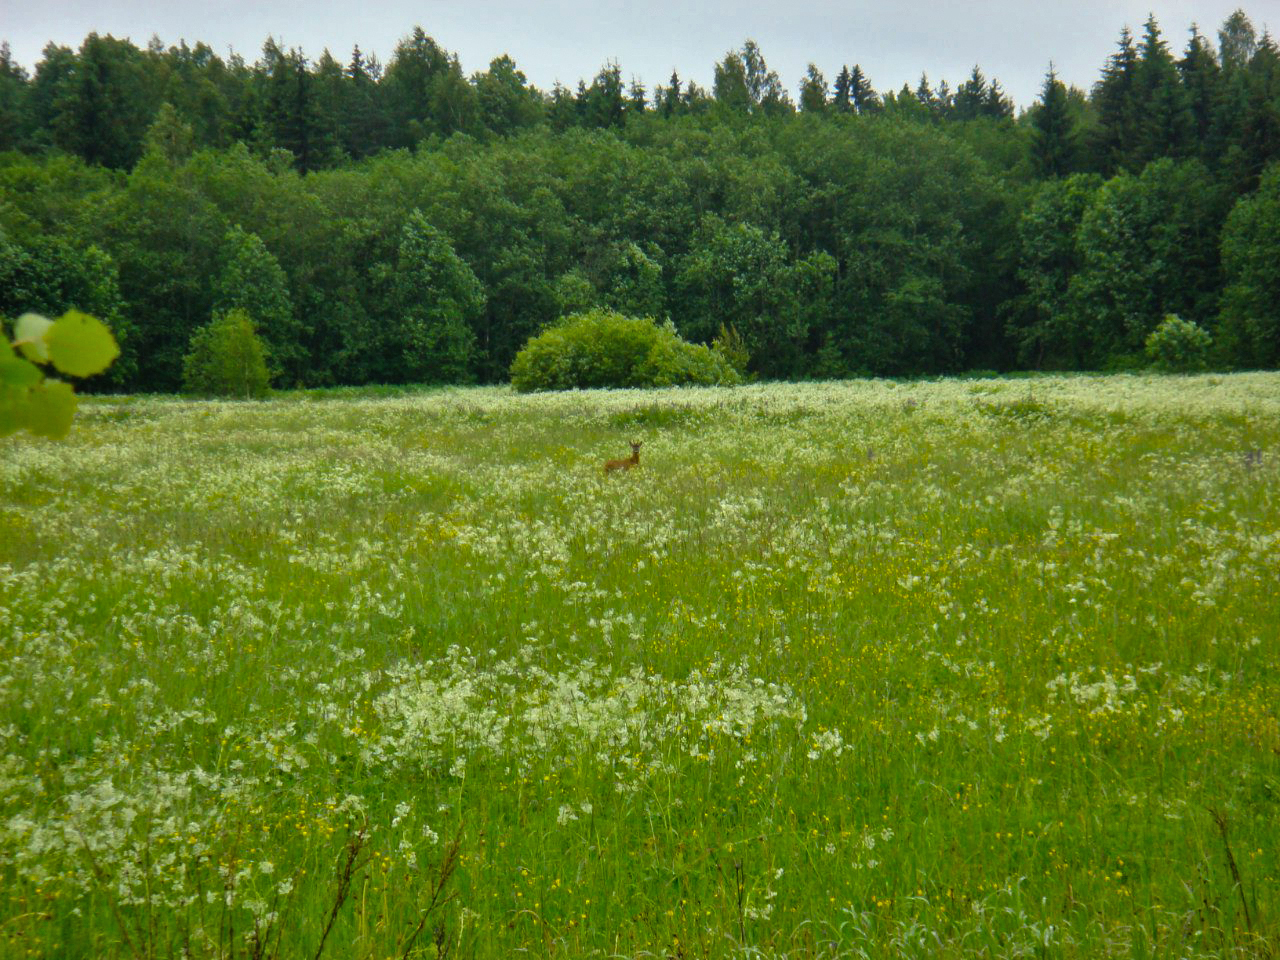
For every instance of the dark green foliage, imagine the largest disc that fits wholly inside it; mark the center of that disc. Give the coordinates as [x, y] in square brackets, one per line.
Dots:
[741, 276]
[842, 92]
[226, 359]
[101, 108]
[1116, 135]
[970, 97]
[52, 71]
[861, 94]
[1250, 322]
[363, 123]
[436, 299]
[164, 236]
[506, 101]
[631, 279]
[425, 91]
[96, 102]
[1043, 321]
[1257, 142]
[1166, 125]
[293, 110]
[637, 99]
[915, 232]
[813, 91]
[602, 104]
[745, 84]
[13, 100]
[668, 101]
[49, 276]
[1201, 79]
[1055, 142]
[250, 279]
[1148, 247]
[602, 348]
[562, 109]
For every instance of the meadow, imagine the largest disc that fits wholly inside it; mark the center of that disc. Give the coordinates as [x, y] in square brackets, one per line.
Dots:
[960, 668]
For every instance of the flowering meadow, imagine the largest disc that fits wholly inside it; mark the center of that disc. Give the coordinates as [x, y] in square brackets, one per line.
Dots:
[978, 668]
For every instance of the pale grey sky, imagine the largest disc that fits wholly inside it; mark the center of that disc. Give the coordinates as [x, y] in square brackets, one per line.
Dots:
[566, 40]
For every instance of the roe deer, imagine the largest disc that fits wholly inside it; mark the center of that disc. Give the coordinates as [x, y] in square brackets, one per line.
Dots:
[626, 463]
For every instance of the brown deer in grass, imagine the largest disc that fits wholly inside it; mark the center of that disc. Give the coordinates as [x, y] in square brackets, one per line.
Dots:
[626, 463]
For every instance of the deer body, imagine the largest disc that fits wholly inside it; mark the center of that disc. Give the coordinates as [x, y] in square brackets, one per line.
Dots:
[626, 463]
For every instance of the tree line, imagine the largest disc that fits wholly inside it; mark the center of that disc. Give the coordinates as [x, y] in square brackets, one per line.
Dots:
[413, 224]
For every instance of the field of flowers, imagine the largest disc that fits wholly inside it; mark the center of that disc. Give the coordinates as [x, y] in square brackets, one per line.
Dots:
[960, 668]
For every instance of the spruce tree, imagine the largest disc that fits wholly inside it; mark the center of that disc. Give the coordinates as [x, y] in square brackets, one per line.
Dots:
[1166, 125]
[637, 98]
[292, 110]
[13, 96]
[332, 92]
[944, 100]
[996, 104]
[970, 97]
[364, 128]
[675, 98]
[1202, 82]
[695, 99]
[1258, 143]
[425, 91]
[605, 104]
[667, 99]
[1054, 142]
[562, 111]
[53, 72]
[924, 93]
[842, 93]
[861, 94]
[101, 110]
[1114, 102]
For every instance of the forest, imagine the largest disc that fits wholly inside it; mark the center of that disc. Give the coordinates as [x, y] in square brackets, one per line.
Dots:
[406, 223]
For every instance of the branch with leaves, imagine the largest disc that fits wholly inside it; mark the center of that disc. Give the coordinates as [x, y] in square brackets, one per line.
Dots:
[75, 345]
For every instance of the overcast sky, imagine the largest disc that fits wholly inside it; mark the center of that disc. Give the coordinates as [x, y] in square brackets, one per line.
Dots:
[565, 40]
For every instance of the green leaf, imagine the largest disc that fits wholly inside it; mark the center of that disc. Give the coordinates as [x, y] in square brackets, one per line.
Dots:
[16, 372]
[29, 336]
[50, 409]
[81, 345]
[12, 402]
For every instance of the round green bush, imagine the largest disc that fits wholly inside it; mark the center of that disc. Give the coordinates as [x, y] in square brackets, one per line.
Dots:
[602, 348]
[226, 359]
[1178, 346]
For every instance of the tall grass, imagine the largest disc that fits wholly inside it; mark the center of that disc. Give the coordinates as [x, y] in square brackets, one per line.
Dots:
[982, 668]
